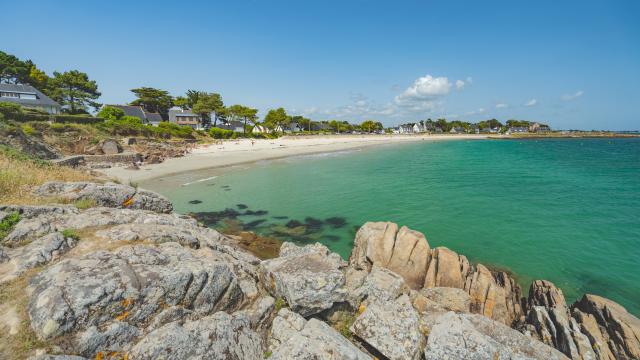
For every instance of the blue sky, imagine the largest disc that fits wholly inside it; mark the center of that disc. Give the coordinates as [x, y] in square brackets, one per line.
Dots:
[573, 64]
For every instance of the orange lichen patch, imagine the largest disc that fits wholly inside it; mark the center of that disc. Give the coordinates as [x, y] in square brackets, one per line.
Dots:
[128, 202]
[113, 355]
[122, 316]
[126, 303]
[361, 308]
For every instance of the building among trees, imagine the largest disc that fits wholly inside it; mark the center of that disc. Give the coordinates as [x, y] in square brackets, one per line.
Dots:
[28, 97]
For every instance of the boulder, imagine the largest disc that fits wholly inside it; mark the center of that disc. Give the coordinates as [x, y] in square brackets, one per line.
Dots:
[545, 293]
[110, 147]
[292, 337]
[614, 333]
[39, 252]
[131, 284]
[309, 278]
[446, 269]
[379, 285]
[471, 336]
[494, 295]
[404, 251]
[101, 217]
[441, 299]
[31, 211]
[108, 195]
[212, 337]
[392, 328]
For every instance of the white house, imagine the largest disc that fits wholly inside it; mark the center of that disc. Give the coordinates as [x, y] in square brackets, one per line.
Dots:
[259, 129]
[405, 129]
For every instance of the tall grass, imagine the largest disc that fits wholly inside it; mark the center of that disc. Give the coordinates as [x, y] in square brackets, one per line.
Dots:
[19, 173]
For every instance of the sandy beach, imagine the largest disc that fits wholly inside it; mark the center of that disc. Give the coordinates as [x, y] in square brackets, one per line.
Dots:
[233, 152]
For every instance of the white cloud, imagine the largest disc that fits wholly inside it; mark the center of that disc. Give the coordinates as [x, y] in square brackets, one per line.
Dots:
[425, 88]
[501, 106]
[469, 80]
[532, 102]
[459, 84]
[569, 97]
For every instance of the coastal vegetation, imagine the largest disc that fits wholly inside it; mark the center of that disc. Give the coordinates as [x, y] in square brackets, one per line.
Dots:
[20, 172]
[78, 94]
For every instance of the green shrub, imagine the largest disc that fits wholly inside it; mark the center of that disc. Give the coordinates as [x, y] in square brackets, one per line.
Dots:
[85, 203]
[279, 304]
[218, 133]
[174, 130]
[28, 129]
[58, 127]
[10, 110]
[70, 233]
[7, 224]
[111, 113]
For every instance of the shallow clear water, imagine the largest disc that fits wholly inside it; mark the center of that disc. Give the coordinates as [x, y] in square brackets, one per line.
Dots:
[564, 210]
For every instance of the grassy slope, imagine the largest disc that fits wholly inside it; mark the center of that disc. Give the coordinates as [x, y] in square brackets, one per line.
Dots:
[19, 173]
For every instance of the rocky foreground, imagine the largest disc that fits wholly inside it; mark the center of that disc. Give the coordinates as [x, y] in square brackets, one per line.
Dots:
[129, 279]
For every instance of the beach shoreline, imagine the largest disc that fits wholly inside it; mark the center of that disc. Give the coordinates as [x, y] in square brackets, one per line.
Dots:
[244, 151]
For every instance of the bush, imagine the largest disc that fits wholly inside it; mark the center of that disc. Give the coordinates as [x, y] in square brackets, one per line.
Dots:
[71, 234]
[7, 224]
[174, 130]
[218, 133]
[10, 110]
[111, 113]
[28, 129]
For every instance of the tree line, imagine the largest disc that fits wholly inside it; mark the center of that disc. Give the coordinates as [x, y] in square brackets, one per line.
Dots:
[78, 94]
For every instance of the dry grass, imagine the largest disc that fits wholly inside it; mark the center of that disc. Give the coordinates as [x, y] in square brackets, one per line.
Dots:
[13, 295]
[19, 173]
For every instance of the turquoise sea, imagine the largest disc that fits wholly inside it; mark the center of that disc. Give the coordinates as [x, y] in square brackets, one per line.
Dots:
[566, 210]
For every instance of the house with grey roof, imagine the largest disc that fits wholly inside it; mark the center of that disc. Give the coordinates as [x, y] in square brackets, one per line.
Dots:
[29, 97]
[140, 113]
[185, 117]
[233, 125]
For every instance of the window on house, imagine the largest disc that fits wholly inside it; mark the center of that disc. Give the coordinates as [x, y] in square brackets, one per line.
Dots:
[10, 94]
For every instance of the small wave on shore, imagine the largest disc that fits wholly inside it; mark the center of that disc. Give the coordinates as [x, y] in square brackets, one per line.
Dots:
[199, 181]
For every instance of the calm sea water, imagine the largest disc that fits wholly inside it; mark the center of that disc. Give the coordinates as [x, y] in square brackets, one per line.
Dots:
[563, 210]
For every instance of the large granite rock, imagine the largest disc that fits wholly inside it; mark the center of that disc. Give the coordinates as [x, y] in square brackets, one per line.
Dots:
[39, 252]
[494, 295]
[218, 336]
[31, 211]
[614, 333]
[594, 327]
[391, 327]
[407, 253]
[131, 284]
[441, 299]
[106, 217]
[309, 278]
[404, 251]
[108, 195]
[378, 285]
[471, 336]
[294, 338]
[545, 293]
